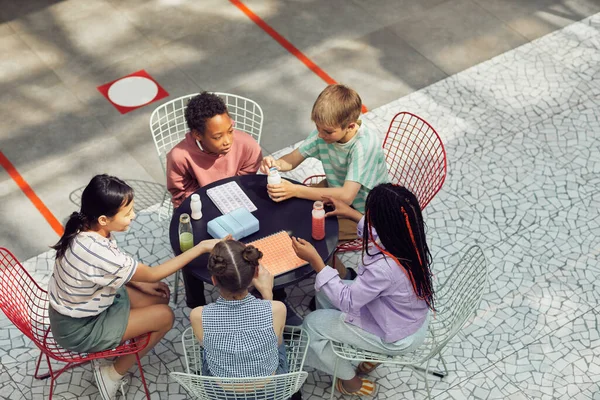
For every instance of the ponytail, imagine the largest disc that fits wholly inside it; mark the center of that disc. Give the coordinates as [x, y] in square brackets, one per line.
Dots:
[104, 195]
[75, 224]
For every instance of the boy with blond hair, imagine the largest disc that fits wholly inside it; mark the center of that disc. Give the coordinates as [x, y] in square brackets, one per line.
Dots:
[351, 155]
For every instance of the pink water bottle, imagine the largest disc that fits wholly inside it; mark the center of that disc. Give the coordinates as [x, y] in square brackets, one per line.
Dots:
[318, 221]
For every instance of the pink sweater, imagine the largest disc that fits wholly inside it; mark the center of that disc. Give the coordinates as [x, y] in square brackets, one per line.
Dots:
[189, 168]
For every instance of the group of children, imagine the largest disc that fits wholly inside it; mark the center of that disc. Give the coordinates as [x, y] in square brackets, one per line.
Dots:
[101, 296]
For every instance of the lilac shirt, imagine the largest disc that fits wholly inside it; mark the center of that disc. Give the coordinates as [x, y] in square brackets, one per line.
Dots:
[381, 300]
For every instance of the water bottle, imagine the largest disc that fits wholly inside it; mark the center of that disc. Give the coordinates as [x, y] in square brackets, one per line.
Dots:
[318, 221]
[196, 206]
[186, 234]
[273, 178]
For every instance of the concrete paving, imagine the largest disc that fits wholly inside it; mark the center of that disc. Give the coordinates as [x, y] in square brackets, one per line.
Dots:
[518, 117]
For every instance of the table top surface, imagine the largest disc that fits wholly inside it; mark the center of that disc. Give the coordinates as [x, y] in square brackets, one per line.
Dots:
[293, 215]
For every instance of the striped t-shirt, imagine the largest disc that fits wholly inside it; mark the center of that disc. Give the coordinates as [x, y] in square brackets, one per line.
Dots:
[359, 160]
[85, 280]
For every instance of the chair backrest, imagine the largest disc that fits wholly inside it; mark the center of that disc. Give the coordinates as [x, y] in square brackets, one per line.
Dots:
[262, 388]
[168, 126]
[276, 387]
[246, 113]
[415, 156]
[459, 297]
[23, 301]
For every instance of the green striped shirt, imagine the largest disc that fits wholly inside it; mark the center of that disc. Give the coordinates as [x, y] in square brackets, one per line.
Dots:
[359, 160]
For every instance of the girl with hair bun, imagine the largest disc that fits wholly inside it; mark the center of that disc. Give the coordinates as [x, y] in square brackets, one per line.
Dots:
[386, 308]
[99, 295]
[242, 336]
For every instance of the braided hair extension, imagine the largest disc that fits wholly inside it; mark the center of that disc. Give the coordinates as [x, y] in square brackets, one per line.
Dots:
[394, 212]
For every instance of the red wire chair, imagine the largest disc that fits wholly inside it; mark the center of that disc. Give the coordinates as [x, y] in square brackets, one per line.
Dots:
[415, 157]
[25, 303]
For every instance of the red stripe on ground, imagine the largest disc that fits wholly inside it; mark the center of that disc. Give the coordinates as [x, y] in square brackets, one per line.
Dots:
[37, 202]
[286, 44]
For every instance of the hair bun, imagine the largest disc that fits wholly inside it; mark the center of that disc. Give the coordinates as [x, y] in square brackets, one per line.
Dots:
[252, 255]
[217, 265]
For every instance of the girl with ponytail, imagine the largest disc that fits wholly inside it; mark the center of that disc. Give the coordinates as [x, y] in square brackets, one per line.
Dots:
[386, 308]
[242, 336]
[101, 296]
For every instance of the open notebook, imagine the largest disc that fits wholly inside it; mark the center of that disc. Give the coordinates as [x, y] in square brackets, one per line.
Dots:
[278, 255]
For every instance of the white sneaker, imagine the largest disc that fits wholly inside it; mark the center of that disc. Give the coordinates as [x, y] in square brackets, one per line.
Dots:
[107, 387]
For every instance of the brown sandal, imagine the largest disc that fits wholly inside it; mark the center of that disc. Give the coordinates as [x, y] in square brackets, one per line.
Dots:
[368, 388]
[366, 367]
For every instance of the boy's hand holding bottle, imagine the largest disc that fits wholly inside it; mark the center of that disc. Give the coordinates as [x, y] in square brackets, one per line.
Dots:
[283, 191]
[267, 163]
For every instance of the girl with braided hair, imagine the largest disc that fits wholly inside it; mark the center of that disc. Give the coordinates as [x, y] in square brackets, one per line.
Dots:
[242, 336]
[99, 295]
[386, 308]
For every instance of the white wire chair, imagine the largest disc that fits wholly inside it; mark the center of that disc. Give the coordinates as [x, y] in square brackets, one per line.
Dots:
[457, 299]
[276, 387]
[168, 128]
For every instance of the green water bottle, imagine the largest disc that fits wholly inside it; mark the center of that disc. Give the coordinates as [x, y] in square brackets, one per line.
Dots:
[186, 235]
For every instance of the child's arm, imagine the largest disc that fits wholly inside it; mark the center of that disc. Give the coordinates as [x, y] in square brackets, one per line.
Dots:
[367, 286]
[341, 209]
[284, 164]
[287, 190]
[279, 315]
[176, 178]
[196, 320]
[144, 273]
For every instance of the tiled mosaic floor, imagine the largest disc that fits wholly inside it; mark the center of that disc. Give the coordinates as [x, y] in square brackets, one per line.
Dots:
[522, 132]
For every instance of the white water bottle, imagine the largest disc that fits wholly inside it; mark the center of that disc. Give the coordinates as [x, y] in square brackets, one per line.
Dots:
[196, 206]
[273, 178]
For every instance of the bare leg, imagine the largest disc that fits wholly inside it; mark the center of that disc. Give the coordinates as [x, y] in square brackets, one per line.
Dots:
[148, 314]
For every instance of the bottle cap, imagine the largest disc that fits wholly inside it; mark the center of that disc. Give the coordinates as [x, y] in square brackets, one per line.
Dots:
[195, 197]
[273, 170]
[318, 205]
[184, 218]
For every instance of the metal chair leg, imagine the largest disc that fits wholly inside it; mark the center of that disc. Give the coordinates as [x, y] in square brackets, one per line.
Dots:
[176, 286]
[139, 363]
[444, 364]
[334, 378]
[427, 380]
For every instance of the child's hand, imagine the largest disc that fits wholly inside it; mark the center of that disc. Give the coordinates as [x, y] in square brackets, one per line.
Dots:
[307, 252]
[263, 282]
[207, 245]
[283, 191]
[267, 163]
[341, 209]
[159, 289]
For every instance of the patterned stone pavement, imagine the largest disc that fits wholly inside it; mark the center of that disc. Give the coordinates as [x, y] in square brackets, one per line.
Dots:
[522, 133]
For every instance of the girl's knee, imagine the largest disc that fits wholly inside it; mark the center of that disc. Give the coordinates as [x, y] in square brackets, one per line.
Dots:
[165, 315]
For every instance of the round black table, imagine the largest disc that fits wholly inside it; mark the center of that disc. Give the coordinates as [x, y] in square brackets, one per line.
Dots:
[290, 215]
